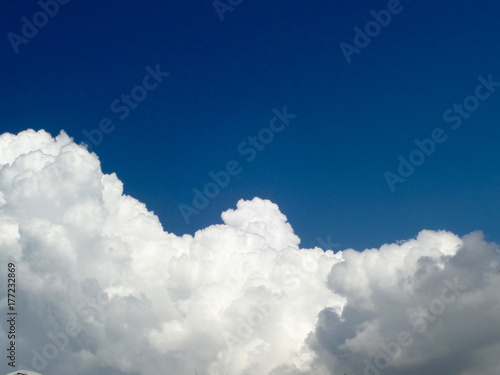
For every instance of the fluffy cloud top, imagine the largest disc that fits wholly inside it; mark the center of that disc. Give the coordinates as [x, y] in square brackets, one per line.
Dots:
[103, 289]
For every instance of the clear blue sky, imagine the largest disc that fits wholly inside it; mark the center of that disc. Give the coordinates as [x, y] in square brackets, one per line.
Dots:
[326, 169]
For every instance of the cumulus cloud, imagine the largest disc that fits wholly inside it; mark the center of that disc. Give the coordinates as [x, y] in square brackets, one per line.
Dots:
[102, 288]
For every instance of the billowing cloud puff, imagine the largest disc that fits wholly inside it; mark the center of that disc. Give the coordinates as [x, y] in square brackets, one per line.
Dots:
[103, 289]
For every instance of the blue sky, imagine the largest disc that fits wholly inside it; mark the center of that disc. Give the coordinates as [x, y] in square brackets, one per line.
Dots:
[326, 169]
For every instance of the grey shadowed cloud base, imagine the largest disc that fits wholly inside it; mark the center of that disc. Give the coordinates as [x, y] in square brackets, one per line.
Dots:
[103, 289]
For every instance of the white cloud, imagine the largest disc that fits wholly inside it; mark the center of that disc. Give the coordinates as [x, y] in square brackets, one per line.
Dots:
[103, 289]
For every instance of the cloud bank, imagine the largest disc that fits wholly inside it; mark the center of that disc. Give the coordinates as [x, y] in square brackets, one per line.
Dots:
[102, 288]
